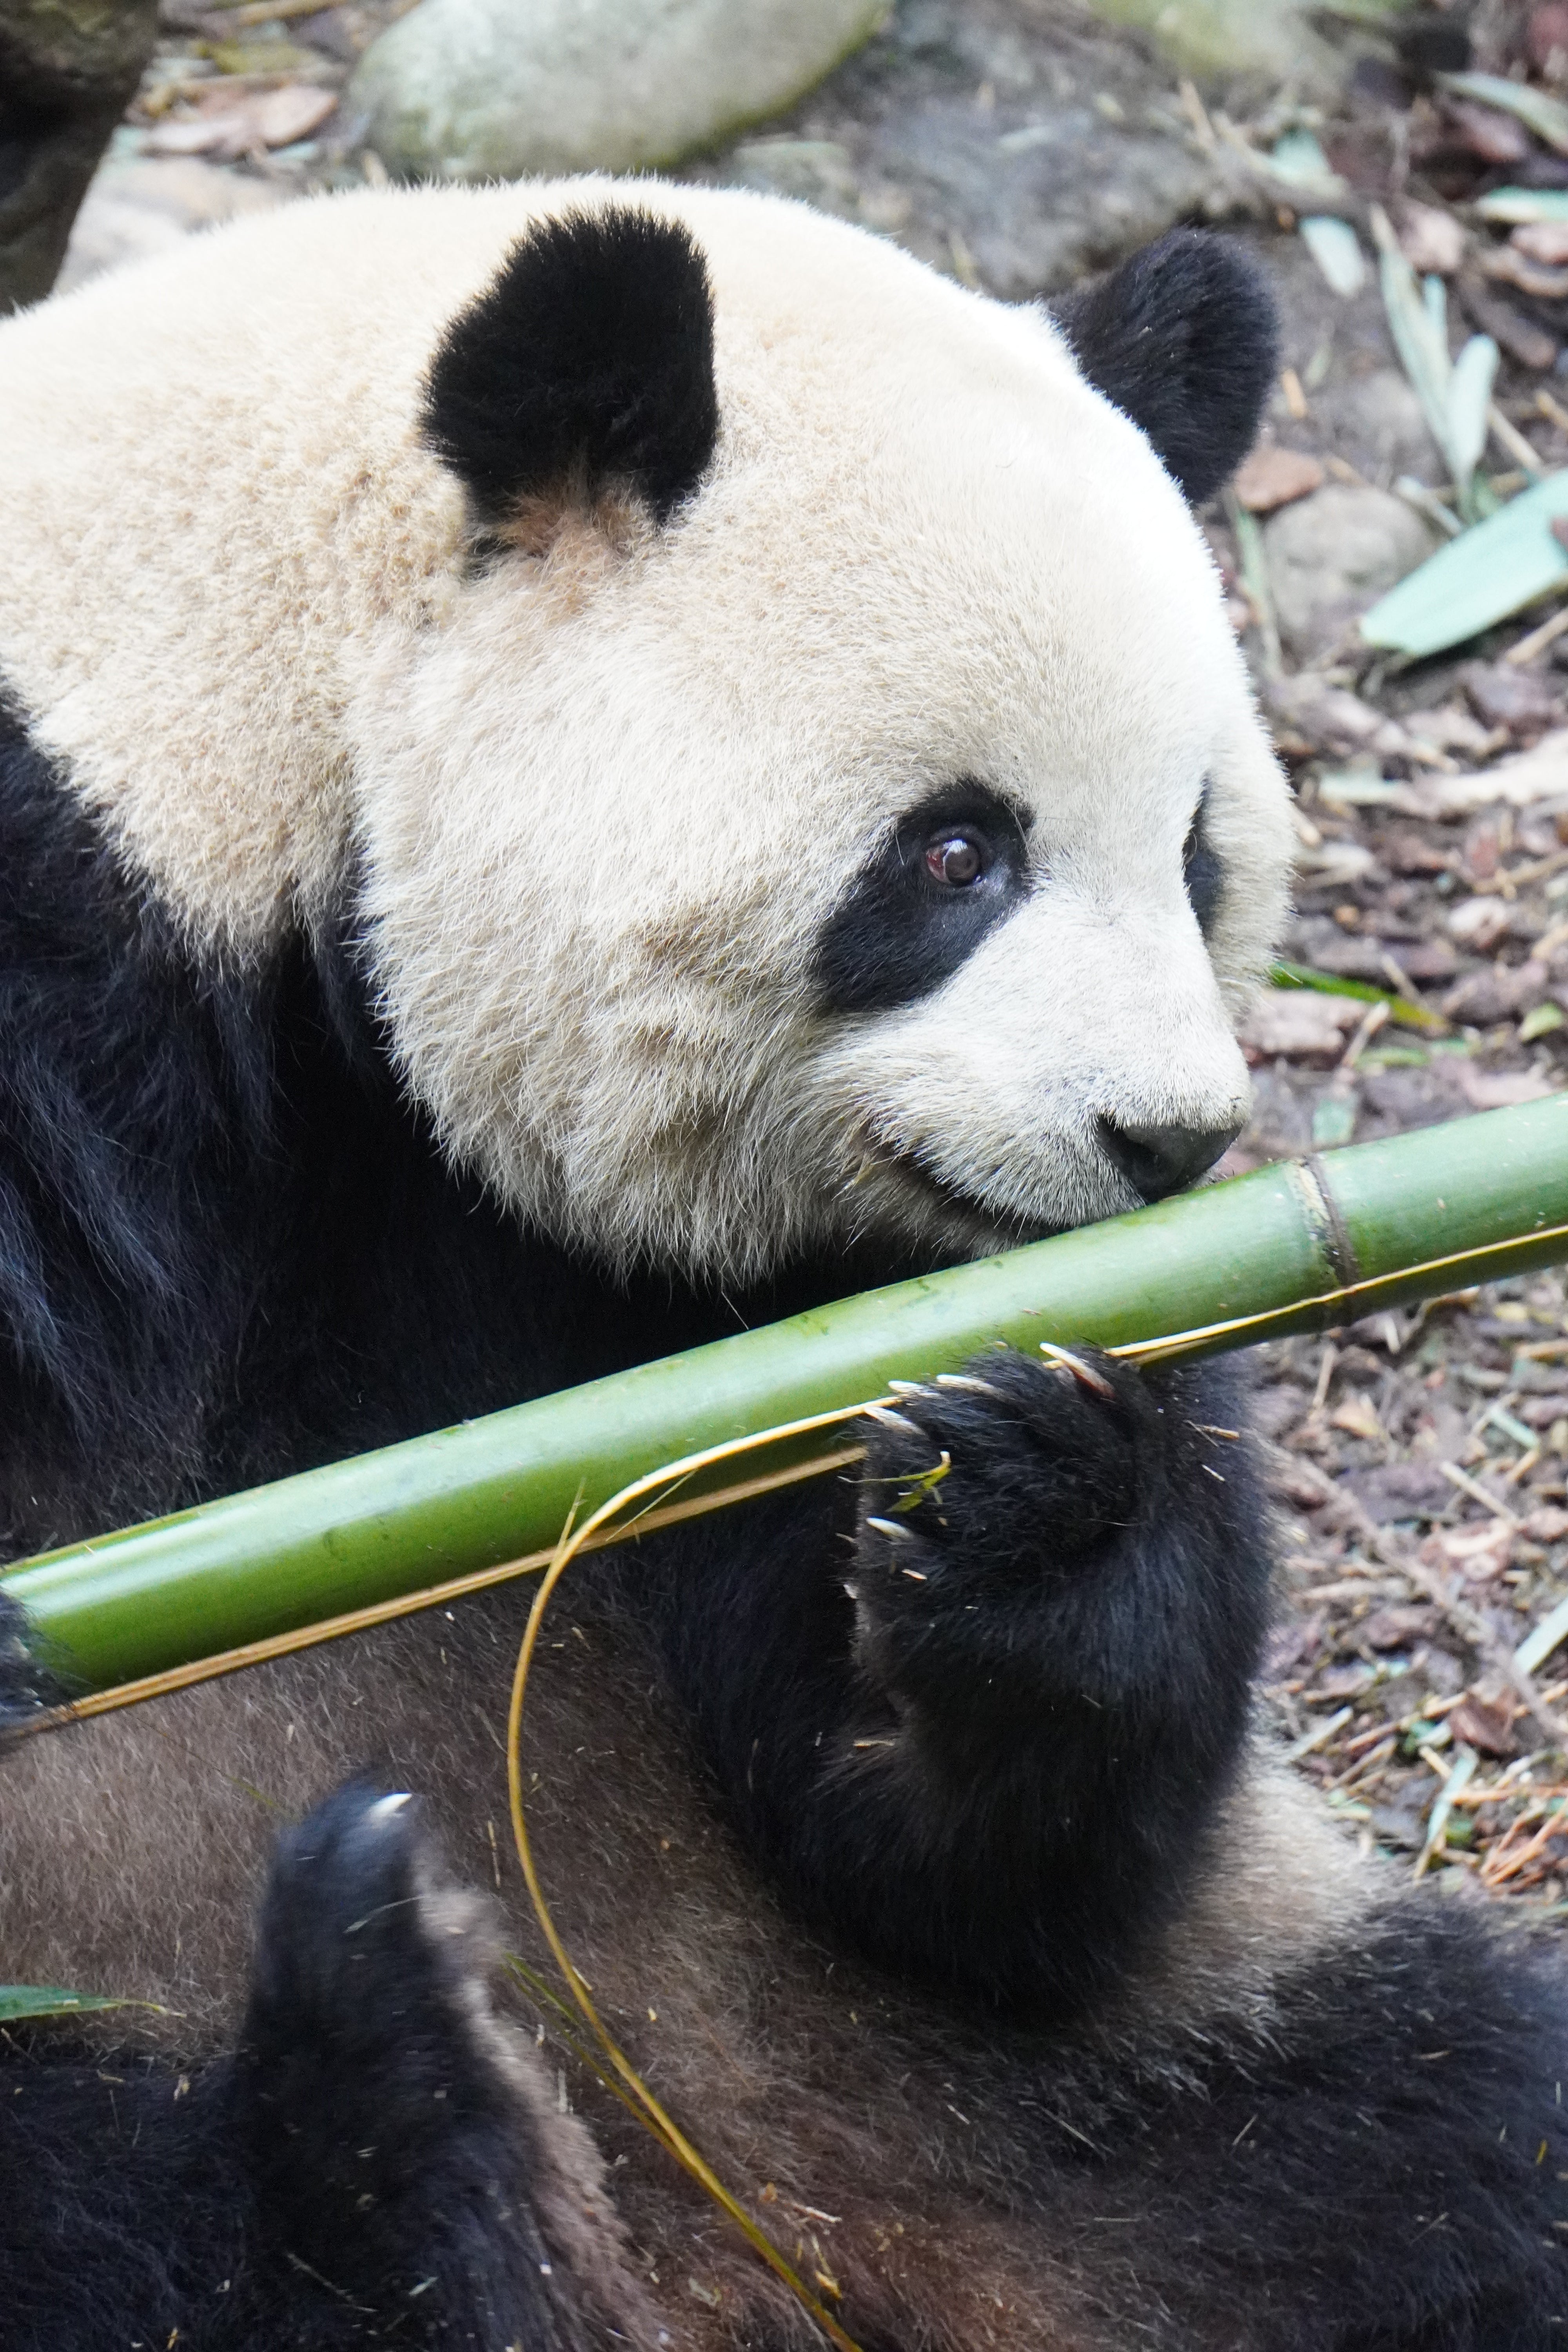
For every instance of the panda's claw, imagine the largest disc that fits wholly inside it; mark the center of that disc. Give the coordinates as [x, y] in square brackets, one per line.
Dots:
[1063, 1360]
[1039, 1465]
[889, 1419]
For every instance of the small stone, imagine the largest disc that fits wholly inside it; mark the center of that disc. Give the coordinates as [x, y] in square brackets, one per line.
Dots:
[476, 89]
[1329, 717]
[1479, 923]
[1331, 555]
[1378, 422]
[1543, 241]
[1488, 133]
[1343, 1682]
[1391, 1627]
[1520, 337]
[1423, 961]
[1388, 1492]
[1478, 1724]
[1502, 993]
[1431, 239]
[1273, 477]
[1498, 1090]
[1546, 39]
[1303, 1024]
[1522, 700]
[1359, 957]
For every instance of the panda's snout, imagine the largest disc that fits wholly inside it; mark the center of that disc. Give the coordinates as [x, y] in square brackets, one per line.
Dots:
[1158, 1160]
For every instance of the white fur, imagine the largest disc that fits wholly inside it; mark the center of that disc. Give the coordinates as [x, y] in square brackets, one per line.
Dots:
[609, 790]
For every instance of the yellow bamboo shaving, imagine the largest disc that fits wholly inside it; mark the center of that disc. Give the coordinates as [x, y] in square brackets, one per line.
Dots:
[428, 1596]
[1365, 1293]
[615, 2069]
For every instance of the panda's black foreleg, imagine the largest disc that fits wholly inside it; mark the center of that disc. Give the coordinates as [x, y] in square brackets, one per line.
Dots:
[375, 2165]
[385, 2123]
[983, 1737]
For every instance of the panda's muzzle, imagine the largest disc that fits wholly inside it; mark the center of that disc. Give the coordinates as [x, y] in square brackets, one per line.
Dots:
[1157, 1159]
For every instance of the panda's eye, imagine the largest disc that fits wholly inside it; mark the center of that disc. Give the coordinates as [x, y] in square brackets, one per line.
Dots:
[955, 866]
[957, 859]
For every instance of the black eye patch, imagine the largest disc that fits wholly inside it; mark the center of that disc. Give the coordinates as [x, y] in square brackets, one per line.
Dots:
[954, 868]
[1202, 871]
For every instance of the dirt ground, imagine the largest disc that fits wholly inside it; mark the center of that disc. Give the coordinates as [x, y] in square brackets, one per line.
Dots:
[1419, 1461]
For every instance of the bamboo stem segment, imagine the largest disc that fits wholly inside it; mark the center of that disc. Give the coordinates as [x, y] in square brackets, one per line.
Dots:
[1296, 1245]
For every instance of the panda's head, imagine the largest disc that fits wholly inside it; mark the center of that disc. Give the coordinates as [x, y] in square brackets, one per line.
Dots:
[831, 802]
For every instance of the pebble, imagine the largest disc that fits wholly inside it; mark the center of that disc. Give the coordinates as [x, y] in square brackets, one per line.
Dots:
[1522, 700]
[1331, 555]
[1272, 477]
[1304, 1024]
[1499, 993]
[476, 89]
[1431, 239]
[1219, 39]
[1378, 418]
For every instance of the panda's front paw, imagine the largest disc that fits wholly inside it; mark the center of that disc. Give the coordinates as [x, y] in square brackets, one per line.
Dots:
[1007, 1510]
[1012, 1466]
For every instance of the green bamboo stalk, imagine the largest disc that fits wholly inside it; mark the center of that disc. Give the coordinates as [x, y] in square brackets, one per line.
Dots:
[1413, 1216]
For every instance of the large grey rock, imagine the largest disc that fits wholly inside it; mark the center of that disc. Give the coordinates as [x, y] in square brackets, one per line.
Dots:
[472, 89]
[1014, 143]
[1333, 555]
[1224, 40]
[1378, 422]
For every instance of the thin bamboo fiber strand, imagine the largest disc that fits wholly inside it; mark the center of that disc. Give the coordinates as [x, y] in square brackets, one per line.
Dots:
[1259, 1326]
[636, 2094]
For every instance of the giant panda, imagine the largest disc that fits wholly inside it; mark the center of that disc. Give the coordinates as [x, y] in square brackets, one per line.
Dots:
[583, 765]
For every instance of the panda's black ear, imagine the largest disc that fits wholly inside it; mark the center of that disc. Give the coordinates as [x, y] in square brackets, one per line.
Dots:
[585, 367]
[1184, 339]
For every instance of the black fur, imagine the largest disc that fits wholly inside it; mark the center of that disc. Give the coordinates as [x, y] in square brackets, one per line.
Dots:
[1386, 2175]
[357, 2174]
[587, 365]
[1202, 872]
[1184, 339]
[897, 933]
[1049, 1664]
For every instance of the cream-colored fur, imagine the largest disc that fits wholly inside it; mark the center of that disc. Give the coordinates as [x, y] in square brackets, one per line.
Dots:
[608, 791]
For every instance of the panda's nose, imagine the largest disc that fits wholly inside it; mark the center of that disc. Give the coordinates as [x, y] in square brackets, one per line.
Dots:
[1160, 1160]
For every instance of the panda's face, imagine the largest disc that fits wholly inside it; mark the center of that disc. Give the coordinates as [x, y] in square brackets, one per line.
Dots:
[878, 844]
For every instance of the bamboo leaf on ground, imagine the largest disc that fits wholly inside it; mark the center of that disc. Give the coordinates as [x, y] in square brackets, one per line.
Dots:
[1513, 206]
[18, 2002]
[1536, 109]
[1496, 567]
